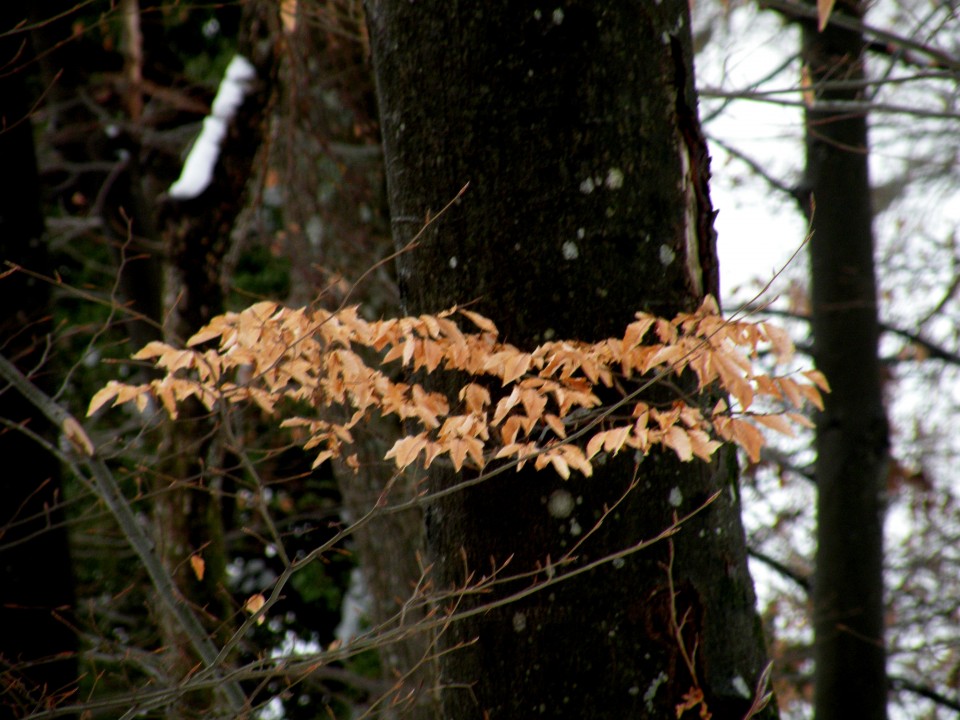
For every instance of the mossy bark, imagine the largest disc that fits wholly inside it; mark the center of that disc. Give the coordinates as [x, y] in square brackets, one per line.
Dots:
[575, 125]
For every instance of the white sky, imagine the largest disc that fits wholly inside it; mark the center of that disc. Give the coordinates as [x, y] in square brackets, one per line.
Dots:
[758, 230]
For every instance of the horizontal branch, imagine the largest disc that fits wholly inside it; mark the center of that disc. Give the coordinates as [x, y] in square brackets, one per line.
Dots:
[802, 11]
[754, 89]
[933, 350]
[839, 107]
[905, 684]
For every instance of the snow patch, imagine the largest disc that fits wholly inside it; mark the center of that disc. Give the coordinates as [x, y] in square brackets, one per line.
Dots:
[197, 172]
[355, 605]
[652, 690]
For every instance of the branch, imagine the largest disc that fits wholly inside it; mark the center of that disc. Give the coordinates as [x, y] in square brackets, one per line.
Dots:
[896, 683]
[837, 107]
[758, 169]
[933, 350]
[800, 579]
[109, 491]
[901, 683]
[801, 11]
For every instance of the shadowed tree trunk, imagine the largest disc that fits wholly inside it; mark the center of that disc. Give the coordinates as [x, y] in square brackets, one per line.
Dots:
[37, 643]
[576, 126]
[330, 139]
[188, 513]
[121, 198]
[852, 431]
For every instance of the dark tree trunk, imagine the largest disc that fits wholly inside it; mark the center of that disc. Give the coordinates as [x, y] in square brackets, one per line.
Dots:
[37, 643]
[188, 514]
[576, 126]
[852, 431]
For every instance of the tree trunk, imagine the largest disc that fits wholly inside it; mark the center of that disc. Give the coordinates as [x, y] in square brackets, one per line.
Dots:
[852, 431]
[121, 197]
[38, 666]
[329, 138]
[188, 514]
[576, 127]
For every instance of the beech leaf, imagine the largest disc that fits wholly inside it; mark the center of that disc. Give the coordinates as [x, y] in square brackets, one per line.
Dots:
[824, 9]
[405, 450]
[198, 566]
[480, 321]
[676, 439]
[322, 360]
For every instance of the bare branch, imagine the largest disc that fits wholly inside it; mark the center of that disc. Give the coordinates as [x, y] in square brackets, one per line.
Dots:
[109, 491]
[800, 579]
[802, 11]
[901, 683]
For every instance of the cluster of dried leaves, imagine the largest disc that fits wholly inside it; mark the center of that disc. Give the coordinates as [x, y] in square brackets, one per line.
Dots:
[528, 406]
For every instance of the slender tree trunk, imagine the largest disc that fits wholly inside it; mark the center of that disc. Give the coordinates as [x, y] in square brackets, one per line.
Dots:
[576, 126]
[188, 514]
[38, 666]
[852, 431]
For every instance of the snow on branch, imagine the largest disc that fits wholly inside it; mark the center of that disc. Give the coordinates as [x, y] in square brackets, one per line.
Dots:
[198, 168]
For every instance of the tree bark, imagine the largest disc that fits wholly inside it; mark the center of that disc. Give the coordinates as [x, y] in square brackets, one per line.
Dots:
[576, 127]
[852, 440]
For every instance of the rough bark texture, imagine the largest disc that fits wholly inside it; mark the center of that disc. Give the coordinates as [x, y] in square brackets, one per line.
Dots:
[576, 126]
[852, 431]
[37, 642]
